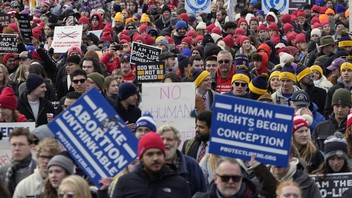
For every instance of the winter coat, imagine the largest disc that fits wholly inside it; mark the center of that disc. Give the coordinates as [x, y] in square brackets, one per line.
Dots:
[110, 62]
[31, 186]
[278, 98]
[324, 83]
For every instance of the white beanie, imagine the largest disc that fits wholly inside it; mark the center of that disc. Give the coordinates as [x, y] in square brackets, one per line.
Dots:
[201, 26]
[215, 37]
[315, 31]
[284, 57]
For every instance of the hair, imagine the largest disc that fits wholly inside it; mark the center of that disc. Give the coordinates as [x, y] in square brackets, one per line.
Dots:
[211, 58]
[195, 58]
[229, 24]
[92, 53]
[117, 72]
[49, 190]
[257, 57]
[80, 186]
[50, 145]
[227, 159]
[224, 52]
[37, 68]
[348, 138]
[6, 75]
[20, 75]
[96, 64]
[325, 168]
[78, 72]
[174, 77]
[73, 95]
[21, 131]
[281, 186]
[128, 12]
[107, 82]
[167, 127]
[205, 116]
[5, 193]
[307, 151]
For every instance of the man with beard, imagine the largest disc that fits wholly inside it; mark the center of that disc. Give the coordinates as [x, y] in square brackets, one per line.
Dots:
[229, 182]
[180, 33]
[184, 165]
[198, 146]
[164, 20]
[46, 15]
[151, 178]
[305, 79]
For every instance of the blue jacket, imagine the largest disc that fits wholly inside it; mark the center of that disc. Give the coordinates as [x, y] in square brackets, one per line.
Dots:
[317, 117]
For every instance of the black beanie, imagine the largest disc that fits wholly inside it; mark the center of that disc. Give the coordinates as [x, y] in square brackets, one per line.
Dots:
[126, 90]
[33, 81]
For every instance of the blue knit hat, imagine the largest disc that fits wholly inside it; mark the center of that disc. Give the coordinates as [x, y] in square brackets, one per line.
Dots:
[241, 59]
[33, 81]
[258, 85]
[288, 72]
[187, 52]
[302, 71]
[126, 90]
[86, 8]
[181, 24]
[261, 12]
[146, 121]
[340, 8]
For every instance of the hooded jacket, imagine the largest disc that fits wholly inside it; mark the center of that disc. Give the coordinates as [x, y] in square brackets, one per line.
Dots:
[100, 25]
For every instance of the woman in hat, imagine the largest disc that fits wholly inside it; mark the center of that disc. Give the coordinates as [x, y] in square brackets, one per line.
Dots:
[319, 79]
[335, 154]
[307, 149]
[8, 107]
[274, 82]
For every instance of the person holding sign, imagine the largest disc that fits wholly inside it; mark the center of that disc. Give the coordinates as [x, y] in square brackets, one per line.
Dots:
[151, 178]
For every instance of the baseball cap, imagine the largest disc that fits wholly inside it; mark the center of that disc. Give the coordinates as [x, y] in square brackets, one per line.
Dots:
[300, 97]
[336, 64]
[125, 58]
[24, 54]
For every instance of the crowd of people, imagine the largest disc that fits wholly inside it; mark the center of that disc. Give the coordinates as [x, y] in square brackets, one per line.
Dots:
[300, 59]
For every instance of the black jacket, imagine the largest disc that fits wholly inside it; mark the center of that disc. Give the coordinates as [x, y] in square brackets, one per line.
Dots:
[132, 114]
[318, 96]
[140, 184]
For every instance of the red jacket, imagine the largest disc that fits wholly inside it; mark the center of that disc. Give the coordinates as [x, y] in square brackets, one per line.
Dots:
[224, 84]
[110, 65]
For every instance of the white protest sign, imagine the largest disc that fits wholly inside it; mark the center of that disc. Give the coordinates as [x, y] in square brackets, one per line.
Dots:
[66, 37]
[7, 127]
[96, 32]
[171, 103]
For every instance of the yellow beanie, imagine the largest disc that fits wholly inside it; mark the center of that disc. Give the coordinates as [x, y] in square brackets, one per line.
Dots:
[317, 68]
[346, 65]
[242, 77]
[145, 18]
[201, 77]
[118, 17]
[274, 74]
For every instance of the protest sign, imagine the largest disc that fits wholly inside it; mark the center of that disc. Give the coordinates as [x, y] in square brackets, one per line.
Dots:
[25, 27]
[95, 4]
[198, 5]
[280, 5]
[4, 20]
[148, 66]
[95, 136]
[242, 127]
[297, 4]
[333, 185]
[66, 37]
[7, 127]
[171, 103]
[8, 44]
[96, 32]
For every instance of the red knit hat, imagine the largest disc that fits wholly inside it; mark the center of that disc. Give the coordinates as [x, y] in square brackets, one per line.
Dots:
[137, 37]
[8, 98]
[300, 38]
[314, 20]
[148, 39]
[125, 37]
[275, 38]
[149, 141]
[324, 23]
[192, 33]
[6, 57]
[169, 39]
[270, 18]
[299, 122]
[273, 26]
[244, 38]
[184, 17]
[37, 32]
[124, 32]
[210, 27]
[316, 25]
[216, 30]
[74, 49]
[229, 41]
[36, 56]
[349, 120]
[108, 29]
[198, 38]
[143, 28]
[288, 27]
[290, 36]
[83, 19]
[262, 27]
[301, 14]
[13, 26]
[241, 20]
[315, 8]
[106, 37]
[187, 40]
[239, 31]
[293, 18]
[286, 18]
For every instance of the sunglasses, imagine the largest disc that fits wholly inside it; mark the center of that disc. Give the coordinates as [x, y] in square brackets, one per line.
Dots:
[79, 81]
[223, 61]
[237, 84]
[68, 194]
[226, 178]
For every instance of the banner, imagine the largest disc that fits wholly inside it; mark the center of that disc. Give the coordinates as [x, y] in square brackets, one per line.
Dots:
[95, 136]
[4, 20]
[242, 127]
[280, 5]
[333, 185]
[25, 28]
[66, 37]
[171, 103]
[297, 4]
[8, 44]
[95, 4]
[148, 66]
[198, 5]
[7, 127]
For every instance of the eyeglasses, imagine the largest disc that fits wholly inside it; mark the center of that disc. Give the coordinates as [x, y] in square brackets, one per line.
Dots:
[68, 194]
[223, 61]
[226, 178]
[45, 157]
[237, 84]
[79, 81]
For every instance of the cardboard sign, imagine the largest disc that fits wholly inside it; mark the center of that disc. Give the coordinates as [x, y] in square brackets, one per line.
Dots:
[25, 27]
[171, 103]
[66, 37]
[333, 185]
[4, 20]
[95, 136]
[7, 127]
[8, 44]
[198, 5]
[242, 127]
[95, 4]
[142, 54]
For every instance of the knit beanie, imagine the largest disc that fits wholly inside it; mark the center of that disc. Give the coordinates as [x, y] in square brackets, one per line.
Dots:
[314, 20]
[199, 75]
[199, 38]
[284, 57]
[288, 27]
[33, 81]
[273, 26]
[274, 74]
[340, 8]
[240, 76]
[86, 8]
[164, 42]
[217, 31]
[145, 18]
[298, 122]
[287, 72]
[346, 65]
[317, 68]
[241, 59]
[301, 14]
[275, 38]
[241, 20]
[335, 145]
[201, 26]
[118, 17]
[330, 11]
[149, 141]
[83, 19]
[315, 8]
[216, 37]
[165, 8]
[126, 90]
[345, 40]
[349, 120]
[300, 38]
[286, 18]
[146, 121]
[262, 27]
[239, 31]
[210, 27]
[187, 40]
[106, 37]
[192, 34]
[323, 18]
[302, 71]
[98, 79]
[8, 99]
[63, 162]
[316, 31]
[341, 97]
[229, 41]
[181, 24]
[74, 49]
[187, 52]
[258, 85]
[42, 132]
[290, 36]
[6, 57]
[184, 17]
[244, 38]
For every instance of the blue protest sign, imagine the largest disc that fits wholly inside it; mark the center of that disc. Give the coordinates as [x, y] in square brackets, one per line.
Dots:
[280, 5]
[95, 136]
[242, 127]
